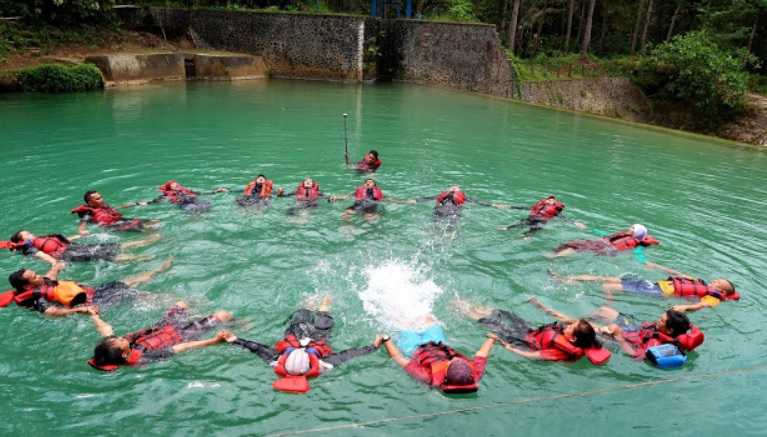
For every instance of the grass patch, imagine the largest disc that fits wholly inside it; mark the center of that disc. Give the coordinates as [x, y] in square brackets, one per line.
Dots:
[569, 66]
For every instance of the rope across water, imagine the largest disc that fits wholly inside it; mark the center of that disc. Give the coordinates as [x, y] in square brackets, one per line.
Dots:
[554, 397]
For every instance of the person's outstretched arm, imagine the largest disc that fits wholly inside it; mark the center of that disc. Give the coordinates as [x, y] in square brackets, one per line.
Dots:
[103, 328]
[487, 346]
[264, 352]
[532, 355]
[56, 268]
[692, 307]
[57, 311]
[653, 266]
[47, 258]
[552, 312]
[348, 354]
[395, 353]
[189, 345]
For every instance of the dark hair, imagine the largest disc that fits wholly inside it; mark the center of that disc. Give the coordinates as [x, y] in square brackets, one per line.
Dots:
[87, 195]
[731, 290]
[585, 336]
[371, 179]
[459, 372]
[16, 238]
[17, 279]
[260, 176]
[107, 353]
[676, 323]
[374, 153]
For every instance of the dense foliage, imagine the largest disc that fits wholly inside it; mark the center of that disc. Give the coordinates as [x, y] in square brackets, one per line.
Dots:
[59, 11]
[55, 78]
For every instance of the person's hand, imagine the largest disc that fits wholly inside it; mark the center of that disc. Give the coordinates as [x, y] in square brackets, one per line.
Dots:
[333, 198]
[91, 310]
[534, 301]
[84, 233]
[60, 265]
[411, 202]
[378, 340]
[225, 336]
[222, 190]
[280, 192]
[678, 308]
[493, 335]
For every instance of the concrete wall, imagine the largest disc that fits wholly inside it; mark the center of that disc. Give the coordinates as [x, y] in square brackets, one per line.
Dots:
[135, 68]
[611, 97]
[292, 45]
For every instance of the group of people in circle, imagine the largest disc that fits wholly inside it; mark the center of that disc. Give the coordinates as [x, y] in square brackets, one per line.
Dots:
[304, 351]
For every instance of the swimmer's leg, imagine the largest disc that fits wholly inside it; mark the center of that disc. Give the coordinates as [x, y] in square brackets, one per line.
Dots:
[474, 312]
[519, 224]
[264, 352]
[140, 243]
[125, 258]
[145, 277]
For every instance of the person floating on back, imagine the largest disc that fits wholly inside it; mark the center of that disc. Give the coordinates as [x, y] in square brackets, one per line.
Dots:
[566, 340]
[366, 200]
[56, 247]
[677, 285]
[258, 192]
[431, 361]
[307, 195]
[369, 163]
[450, 203]
[175, 333]
[304, 351]
[98, 212]
[634, 237]
[57, 298]
[541, 213]
[181, 196]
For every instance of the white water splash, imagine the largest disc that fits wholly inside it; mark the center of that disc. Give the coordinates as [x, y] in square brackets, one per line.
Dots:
[399, 295]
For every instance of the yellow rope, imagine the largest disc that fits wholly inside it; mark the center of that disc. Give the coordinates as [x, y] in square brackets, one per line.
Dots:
[554, 397]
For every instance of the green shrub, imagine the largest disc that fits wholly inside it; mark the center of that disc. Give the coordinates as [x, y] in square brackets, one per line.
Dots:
[693, 69]
[54, 78]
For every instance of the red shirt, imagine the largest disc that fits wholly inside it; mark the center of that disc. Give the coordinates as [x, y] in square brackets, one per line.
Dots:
[424, 375]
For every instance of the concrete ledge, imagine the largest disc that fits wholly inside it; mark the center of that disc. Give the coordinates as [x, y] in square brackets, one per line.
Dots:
[227, 66]
[125, 68]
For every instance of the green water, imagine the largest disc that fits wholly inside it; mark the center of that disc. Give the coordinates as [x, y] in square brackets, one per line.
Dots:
[704, 200]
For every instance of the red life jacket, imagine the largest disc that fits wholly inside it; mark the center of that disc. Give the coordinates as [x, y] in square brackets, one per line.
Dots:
[365, 165]
[361, 194]
[308, 194]
[553, 345]
[178, 195]
[458, 198]
[435, 357]
[543, 211]
[104, 215]
[622, 241]
[266, 189]
[315, 349]
[144, 341]
[684, 287]
[54, 245]
[649, 336]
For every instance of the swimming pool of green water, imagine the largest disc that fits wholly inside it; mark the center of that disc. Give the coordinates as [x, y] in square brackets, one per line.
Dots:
[703, 199]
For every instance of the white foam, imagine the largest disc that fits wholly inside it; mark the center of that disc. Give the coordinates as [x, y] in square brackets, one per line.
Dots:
[399, 295]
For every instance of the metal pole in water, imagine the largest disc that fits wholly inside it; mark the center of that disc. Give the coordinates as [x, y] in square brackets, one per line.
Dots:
[346, 139]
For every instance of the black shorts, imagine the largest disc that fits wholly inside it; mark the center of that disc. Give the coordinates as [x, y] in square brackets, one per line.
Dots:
[112, 293]
[509, 326]
[316, 325]
[195, 206]
[128, 225]
[366, 206]
[91, 252]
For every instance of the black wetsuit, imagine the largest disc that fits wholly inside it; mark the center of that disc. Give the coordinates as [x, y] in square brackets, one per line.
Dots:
[509, 326]
[78, 252]
[189, 203]
[305, 323]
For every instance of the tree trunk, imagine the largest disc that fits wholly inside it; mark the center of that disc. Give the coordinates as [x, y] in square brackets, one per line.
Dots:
[570, 12]
[581, 17]
[673, 22]
[647, 25]
[587, 32]
[605, 14]
[502, 25]
[513, 25]
[753, 34]
[635, 35]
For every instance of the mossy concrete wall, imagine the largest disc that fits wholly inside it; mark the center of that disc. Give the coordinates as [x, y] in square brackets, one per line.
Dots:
[136, 68]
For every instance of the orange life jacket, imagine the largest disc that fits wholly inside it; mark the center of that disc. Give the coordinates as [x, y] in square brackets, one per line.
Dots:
[264, 193]
[362, 194]
[544, 211]
[458, 198]
[308, 194]
[435, 357]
